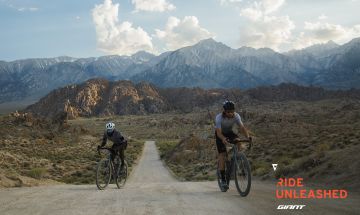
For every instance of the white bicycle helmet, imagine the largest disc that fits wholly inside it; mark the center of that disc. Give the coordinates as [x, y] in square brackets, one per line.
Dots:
[110, 126]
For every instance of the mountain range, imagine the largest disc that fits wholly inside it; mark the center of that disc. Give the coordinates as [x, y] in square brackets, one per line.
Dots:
[207, 64]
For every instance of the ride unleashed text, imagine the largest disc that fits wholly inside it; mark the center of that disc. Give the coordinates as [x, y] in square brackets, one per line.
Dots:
[292, 188]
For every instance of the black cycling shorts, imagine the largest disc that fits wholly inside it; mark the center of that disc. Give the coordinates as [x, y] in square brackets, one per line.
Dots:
[220, 145]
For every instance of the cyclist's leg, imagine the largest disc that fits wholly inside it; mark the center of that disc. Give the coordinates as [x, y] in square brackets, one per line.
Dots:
[122, 156]
[120, 150]
[221, 156]
[221, 159]
[113, 152]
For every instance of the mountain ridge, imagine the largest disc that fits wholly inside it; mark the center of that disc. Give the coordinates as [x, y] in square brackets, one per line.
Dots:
[207, 64]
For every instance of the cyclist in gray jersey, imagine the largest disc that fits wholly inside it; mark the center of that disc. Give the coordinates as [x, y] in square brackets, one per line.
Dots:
[224, 125]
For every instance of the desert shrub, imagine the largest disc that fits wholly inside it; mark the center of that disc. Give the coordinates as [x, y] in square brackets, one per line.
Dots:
[259, 164]
[296, 154]
[165, 146]
[261, 171]
[330, 165]
[285, 160]
[312, 174]
[283, 171]
[37, 173]
[323, 147]
[304, 163]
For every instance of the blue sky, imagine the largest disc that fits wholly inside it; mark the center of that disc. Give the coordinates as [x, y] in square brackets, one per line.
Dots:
[31, 29]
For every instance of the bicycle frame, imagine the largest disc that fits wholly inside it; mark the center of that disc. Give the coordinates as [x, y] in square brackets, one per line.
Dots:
[111, 161]
[113, 168]
[237, 164]
[234, 152]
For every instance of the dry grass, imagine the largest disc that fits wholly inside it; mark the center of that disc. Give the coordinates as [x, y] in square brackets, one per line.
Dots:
[48, 151]
[313, 140]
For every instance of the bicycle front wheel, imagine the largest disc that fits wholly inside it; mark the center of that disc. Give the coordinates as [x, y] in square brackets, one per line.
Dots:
[103, 174]
[122, 176]
[242, 174]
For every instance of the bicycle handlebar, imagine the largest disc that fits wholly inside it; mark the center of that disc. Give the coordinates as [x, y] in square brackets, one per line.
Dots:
[101, 148]
[242, 141]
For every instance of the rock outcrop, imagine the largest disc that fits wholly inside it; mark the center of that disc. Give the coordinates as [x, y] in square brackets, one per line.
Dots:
[100, 97]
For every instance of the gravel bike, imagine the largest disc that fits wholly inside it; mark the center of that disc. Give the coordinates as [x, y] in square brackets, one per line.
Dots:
[108, 168]
[237, 168]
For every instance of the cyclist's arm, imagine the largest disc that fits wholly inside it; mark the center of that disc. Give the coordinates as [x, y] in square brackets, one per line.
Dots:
[119, 137]
[218, 128]
[244, 131]
[104, 140]
[242, 128]
[220, 135]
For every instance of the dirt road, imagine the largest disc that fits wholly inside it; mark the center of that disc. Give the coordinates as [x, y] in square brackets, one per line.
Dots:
[152, 190]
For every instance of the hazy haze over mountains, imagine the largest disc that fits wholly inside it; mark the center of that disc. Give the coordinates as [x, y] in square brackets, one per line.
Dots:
[207, 64]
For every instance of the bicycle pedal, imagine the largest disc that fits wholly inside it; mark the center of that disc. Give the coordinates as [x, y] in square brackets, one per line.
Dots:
[224, 188]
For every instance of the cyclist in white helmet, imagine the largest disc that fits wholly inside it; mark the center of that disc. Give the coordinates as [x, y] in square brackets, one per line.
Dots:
[119, 142]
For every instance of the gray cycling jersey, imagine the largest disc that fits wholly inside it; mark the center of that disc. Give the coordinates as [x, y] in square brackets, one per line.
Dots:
[226, 124]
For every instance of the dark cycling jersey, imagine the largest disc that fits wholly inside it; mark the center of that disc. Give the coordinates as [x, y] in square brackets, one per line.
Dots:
[115, 137]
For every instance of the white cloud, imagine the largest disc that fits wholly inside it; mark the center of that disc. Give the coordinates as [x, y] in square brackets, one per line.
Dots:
[179, 33]
[251, 13]
[270, 6]
[263, 29]
[153, 5]
[24, 9]
[256, 9]
[325, 31]
[322, 32]
[269, 31]
[114, 37]
[322, 17]
[229, 2]
[249, 8]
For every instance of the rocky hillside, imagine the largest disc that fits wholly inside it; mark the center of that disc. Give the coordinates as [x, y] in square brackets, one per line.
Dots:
[286, 92]
[99, 97]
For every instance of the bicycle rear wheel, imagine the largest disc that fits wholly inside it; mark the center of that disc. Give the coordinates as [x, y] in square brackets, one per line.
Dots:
[103, 174]
[122, 176]
[242, 174]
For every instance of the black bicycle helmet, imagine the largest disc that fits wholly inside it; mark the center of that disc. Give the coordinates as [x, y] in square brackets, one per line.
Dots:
[229, 105]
